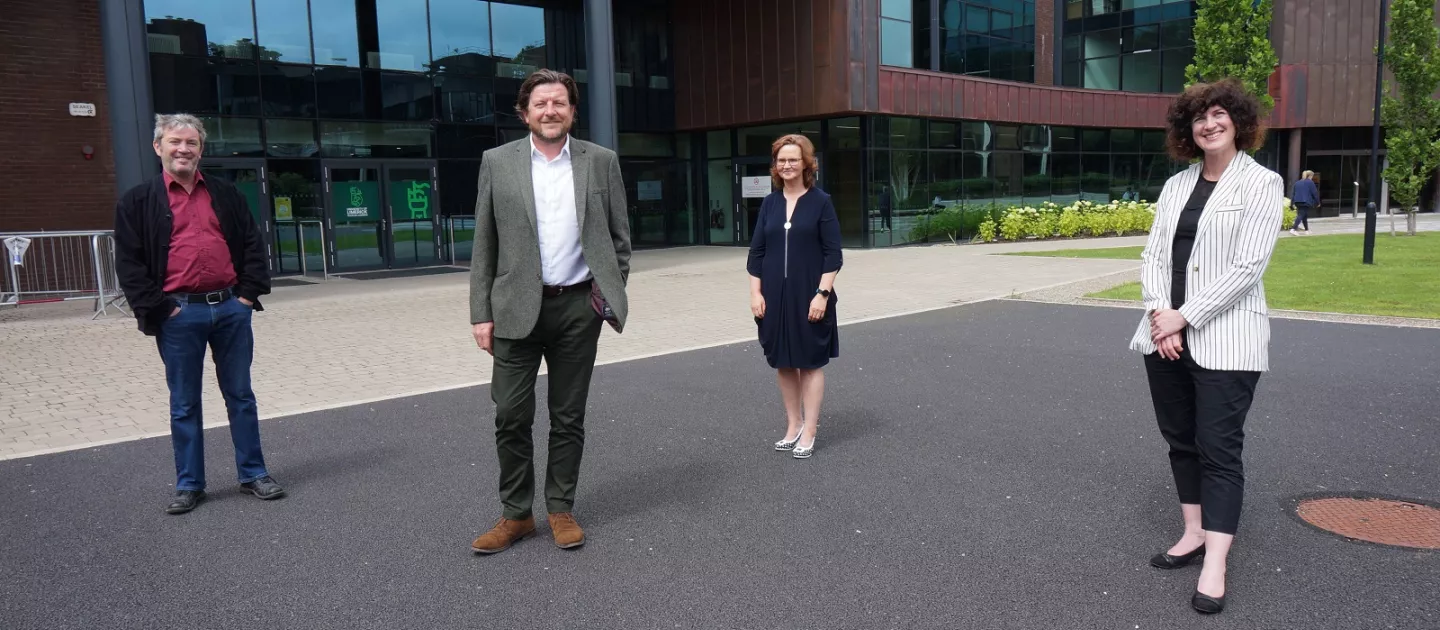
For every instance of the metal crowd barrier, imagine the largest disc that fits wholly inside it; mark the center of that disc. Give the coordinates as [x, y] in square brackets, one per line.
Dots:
[45, 267]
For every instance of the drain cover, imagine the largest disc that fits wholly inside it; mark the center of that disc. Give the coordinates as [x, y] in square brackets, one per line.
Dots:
[1382, 521]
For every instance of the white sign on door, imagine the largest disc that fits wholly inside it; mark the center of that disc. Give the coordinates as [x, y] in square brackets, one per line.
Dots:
[755, 187]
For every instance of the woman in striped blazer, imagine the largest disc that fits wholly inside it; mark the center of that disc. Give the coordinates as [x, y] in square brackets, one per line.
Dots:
[1206, 332]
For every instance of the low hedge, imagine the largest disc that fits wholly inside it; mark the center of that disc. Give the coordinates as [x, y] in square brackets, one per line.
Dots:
[993, 222]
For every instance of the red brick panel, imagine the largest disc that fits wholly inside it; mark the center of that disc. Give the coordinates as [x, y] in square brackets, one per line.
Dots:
[51, 56]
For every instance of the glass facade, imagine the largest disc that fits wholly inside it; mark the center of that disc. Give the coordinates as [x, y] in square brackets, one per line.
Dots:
[1129, 45]
[918, 166]
[988, 38]
[375, 93]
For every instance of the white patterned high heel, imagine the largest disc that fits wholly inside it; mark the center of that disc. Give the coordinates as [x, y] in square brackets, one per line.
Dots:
[786, 445]
[803, 452]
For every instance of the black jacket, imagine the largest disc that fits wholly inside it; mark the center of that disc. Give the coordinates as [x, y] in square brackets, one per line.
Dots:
[143, 226]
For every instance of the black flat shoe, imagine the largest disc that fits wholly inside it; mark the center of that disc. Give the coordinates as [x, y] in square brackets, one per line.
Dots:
[1167, 561]
[265, 487]
[1206, 604]
[185, 500]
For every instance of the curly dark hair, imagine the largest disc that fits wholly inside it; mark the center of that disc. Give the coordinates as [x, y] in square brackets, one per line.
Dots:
[1229, 94]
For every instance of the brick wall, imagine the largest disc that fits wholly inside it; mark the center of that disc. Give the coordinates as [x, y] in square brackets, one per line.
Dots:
[51, 56]
[1045, 41]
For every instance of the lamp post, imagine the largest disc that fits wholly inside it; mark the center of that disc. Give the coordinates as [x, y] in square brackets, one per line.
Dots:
[1370, 208]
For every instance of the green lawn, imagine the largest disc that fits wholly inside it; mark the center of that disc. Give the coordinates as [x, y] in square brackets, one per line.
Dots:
[1324, 273]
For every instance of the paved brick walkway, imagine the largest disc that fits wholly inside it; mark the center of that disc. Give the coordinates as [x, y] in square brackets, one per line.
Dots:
[68, 382]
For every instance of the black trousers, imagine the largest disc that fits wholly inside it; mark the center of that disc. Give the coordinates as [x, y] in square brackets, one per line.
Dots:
[1202, 416]
[1302, 215]
[566, 337]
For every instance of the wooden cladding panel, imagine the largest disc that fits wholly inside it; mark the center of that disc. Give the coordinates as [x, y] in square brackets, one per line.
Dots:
[906, 92]
[745, 61]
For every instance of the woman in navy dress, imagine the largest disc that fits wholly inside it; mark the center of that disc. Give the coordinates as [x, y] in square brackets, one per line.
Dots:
[794, 258]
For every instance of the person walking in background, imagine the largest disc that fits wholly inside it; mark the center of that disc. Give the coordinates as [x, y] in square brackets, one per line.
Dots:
[794, 258]
[1206, 334]
[192, 266]
[551, 259]
[1306, 196]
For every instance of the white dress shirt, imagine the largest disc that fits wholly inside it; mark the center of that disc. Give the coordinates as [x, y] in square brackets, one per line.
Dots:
[562, 262]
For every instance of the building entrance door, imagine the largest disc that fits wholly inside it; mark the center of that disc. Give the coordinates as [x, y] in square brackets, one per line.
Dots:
[752, 185]
[381, 214]
[250, 178]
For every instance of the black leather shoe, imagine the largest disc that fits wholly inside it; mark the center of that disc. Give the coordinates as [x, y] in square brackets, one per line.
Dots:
[1167, 561]
[1206, 604]
[265, 488]
[185, 500]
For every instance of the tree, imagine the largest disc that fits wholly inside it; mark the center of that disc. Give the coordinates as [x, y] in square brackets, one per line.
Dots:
[1232, 40]
[1410, 115]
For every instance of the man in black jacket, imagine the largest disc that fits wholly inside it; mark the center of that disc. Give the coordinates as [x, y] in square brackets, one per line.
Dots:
[193, 269]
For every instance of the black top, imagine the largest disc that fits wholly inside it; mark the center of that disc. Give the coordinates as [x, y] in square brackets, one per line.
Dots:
[789, 257]
[143, 226]
[1185, 239]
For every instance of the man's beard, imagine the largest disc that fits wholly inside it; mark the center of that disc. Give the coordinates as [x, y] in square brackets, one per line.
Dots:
[539, 131]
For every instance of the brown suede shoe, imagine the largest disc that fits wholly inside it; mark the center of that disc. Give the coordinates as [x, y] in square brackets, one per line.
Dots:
[504, 534]
[566, 531]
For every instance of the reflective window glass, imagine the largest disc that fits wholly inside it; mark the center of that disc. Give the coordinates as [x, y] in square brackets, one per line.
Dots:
[518, 39]
[1103, 74]
[466, 99]
[340, 93]
[898, 9]
[290, 138]
[336, 42]
[406, 96]
[363, 139]
[1172, 68]
[1142, 72]
[204, 86]
[896, 44]
[403, 37]
[288, 90]
[465, 141]
[283, 30]
[231, 137]
[1095, 140]
[214, 29]
[460, 35]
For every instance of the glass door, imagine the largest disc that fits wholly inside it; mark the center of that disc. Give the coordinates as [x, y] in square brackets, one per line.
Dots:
[249, 177]
[414, 233]
[752, 185]
[358, 238]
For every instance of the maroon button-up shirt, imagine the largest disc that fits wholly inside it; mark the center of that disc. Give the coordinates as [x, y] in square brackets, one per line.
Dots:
[199, 258]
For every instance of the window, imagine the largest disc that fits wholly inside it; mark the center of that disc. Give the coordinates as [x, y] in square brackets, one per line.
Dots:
[201, 29]
[204, 86]
[1131, 45]
[290, 138]
[404, 40]
[356, 139]
[284, 31]
[231, 137]
[518, 39]
[336, 42]
[897, 41]
[287, 90]
[460, 34]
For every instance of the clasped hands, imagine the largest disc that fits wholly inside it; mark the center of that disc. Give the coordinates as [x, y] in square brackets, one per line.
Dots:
[1166, 326]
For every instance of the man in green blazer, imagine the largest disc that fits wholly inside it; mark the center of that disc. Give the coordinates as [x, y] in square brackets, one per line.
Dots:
[550, 262]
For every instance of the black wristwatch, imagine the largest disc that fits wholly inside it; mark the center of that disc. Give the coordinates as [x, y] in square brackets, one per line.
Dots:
[823, 292]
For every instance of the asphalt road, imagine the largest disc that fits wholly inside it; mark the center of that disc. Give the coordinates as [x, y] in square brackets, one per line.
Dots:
[989, 466]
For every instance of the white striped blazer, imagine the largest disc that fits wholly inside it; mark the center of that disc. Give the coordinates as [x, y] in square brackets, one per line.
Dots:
[1229, 322]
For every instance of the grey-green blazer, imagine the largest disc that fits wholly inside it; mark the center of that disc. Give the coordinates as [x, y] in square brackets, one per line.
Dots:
[505, 284]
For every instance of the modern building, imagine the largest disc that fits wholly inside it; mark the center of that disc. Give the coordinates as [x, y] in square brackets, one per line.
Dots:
[356, 126]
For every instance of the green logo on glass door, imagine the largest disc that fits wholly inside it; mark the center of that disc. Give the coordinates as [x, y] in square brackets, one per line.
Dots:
[417, 197]
[357, 196]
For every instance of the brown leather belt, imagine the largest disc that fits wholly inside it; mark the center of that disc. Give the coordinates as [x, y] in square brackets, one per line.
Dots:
[552, 291]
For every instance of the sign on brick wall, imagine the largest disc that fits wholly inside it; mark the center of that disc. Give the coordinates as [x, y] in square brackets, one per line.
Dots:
[82, 109]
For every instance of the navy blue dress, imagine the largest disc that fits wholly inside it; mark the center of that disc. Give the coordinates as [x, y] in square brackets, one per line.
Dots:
[789, 267]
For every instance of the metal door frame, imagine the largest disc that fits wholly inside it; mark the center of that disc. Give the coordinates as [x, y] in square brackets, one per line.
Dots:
[266, 211]
[738, 218]
[387, 216]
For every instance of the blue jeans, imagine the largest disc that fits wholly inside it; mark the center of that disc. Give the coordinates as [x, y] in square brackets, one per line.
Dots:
[225, 327]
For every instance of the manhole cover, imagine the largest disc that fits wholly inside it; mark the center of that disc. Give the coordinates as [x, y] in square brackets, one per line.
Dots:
[1382, 521]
